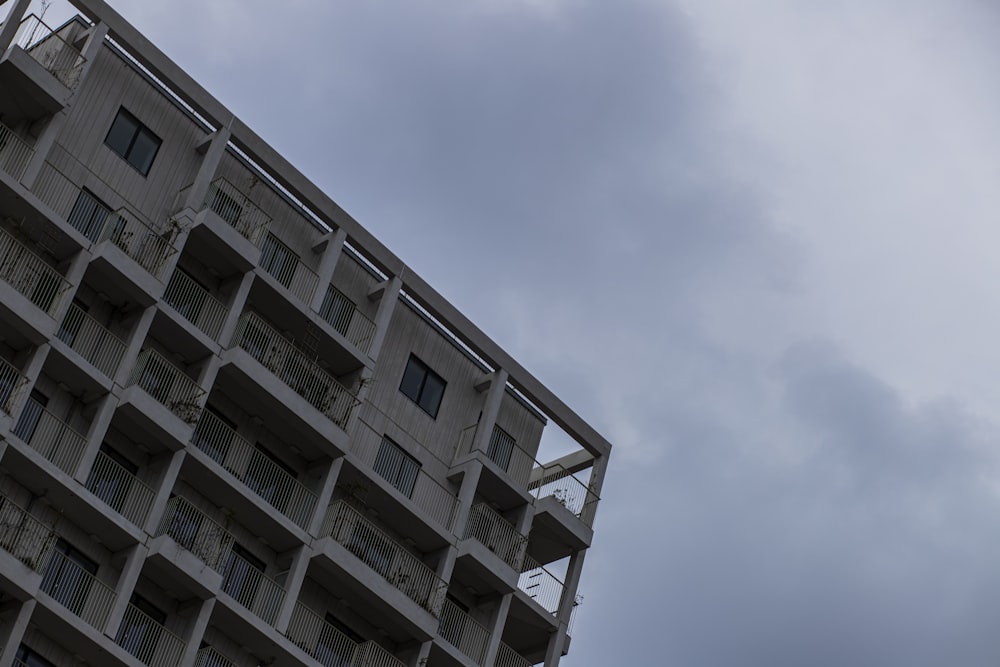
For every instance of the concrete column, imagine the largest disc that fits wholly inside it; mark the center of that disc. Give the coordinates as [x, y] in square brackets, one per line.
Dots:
[126, 584]
[236, 306]
[195, 630]
[387, 294]
[74, 276]
[32, 369]
[9, 29]
[325, 494]
[293, 585]
[163, 488]
[331, 247]
[13, 630]
[95, 436]
[556, 642]
[208, 373]
[498, 620]
[491, 409]
[214, 150]
[134, 346]
[421, 656]
[597, 473]
[90, 50]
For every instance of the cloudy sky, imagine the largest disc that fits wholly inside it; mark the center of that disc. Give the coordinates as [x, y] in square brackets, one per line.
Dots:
[754, 243]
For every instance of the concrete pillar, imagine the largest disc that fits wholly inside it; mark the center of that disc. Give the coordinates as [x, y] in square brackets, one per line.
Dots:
[467, 496]
[10, 26]
[387, 294]
[126, 584]
[95, 436]
[556, 642]
[74, 276]
[331, 246]
[32, 369]
[491, 409]
[324, 496]
[95, 40]
[134, 346]
[421, 657]
[13, 630]
[293, 585]
[498, 620]
[195, 630]
[236, 306]
[163, 488]
[215, 149]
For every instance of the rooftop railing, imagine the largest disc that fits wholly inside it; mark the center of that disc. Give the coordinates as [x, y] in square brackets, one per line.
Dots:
[72, 586]
[425, 492]
[50, 436]
[487, 526]
[196, 532]
[195, 304]
[393, 562]
[463, 632]
[540, 585]
[23, 536]
[147, 640]
[119, 489]
[306, 378]
[167, 384]
[254, 469]
[502, 449]
[15, 153]
[287, 268]
[212, 657]
[343, 315]
[576, 496]
[508, 657]
[91, 340]
[12, 383]
[234, 208]
[30, 275]
[43, 44]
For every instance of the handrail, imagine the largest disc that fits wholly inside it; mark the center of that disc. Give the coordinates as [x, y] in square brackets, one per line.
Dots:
[347, 319]
[499, 535]
[212, 657]
[373, 654]
[306, 378]
[29, 274]
[195, 303]
[15, 153]
[287, 268]
[167, 384]
[23, 536]
[91, 340]
[119, 489]
[50, 51]
[463, 632]
[137, 239]
[540, 585]
[146, 639]
[251, 588]
[234, 208]
[383, 554]
[508, 657]
[554, 480]
[196, 532]
[317, 638]
[254, 469]
[503, 450]
[50, 436]
[12, 383]
[69, 584]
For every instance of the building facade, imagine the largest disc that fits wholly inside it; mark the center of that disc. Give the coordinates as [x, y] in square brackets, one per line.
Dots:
[235, 430]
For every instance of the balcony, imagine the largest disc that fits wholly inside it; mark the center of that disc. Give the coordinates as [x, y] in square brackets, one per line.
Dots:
[12, 383]
[120, 490]
[30, 275]
[489, 528]
[250, 588]
[508, 657]
[168, 385]
[508, 465]
[195, 304]
[148, 641]
[329, 646]
[211, 657]
[23, 536]
[49, 50]
[76, 589]
[540, 585]
[50, 436]
[91, 340]
[235, 209]
[15, 153]
[290, 365]
[254, 470]
[394, 563]
[564, 513]
[343, 315]
[463, 632]
[286, 268]
[197, 533]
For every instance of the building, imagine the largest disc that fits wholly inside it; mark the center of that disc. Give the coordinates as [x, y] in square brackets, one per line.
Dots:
[236, 430]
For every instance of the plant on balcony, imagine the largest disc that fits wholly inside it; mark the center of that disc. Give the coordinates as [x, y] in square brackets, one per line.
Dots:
[189, 410]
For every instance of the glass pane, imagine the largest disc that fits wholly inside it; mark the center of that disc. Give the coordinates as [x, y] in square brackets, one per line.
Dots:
[413, 378]
[122, 130]
[430, 397]
[143, 151]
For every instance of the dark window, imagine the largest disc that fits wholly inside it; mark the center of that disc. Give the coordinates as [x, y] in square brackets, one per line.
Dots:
[140, 633]
[397, 467]
[337, 310]
[31, 415]
[133, 141]
[30, 658]
[68, 576]
[89, 215]
[108, 480]
[278, 259]
[330, 651]
[423, 386]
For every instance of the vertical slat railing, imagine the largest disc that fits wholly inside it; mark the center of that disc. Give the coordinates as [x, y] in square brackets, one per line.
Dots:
[147, 640]
[69, 584]
[12, 383]
[346, 319]
[540, 585]
[167, 384]
[50, 436]
[195, 304]
[196, 532]
[30, 275]
[15, 153]
[487, 526]
[50, 51]
[91, 340]
[318, 639]
[120, 489]
[463, 632]
[23, 536]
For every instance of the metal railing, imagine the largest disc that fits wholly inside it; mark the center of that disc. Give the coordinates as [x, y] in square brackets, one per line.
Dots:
[343, 315]
[318, 639]
[306, 378]
[372, 654]
[30, 275]
[487, 526]
[91, 340]
[463, 632]
[212, 657]
[23, 536]
[147, 640]
[503, 450]
[254, 469]
[234, 208]
[195, 304]
[404, 570]
[15, 153]
[50, 51]
[196, 532]
[287, 268]
[119, 489]
[138, 240]
[50, 436]
[554, 480]
[69, 584]
[12, 383]
[425, 492]
[508, 657]
[251, 588]
[540, 585]
[167, 384]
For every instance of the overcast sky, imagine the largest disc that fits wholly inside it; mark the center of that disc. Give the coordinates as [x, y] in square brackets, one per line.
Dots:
[754, 243]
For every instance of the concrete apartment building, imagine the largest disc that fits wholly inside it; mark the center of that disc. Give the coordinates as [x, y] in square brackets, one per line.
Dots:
[235, 430]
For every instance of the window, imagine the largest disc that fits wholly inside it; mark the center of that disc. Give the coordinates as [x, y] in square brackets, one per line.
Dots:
[108, 479]
[68, 576]
[422, 386]
[89, 215]
[337, 310]
[133, 141]
[140, 632]
[278, 259]
[28, 657]
[397, 467]
[31, 415]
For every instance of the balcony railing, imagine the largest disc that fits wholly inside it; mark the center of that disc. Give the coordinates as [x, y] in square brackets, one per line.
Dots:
[554, 480]
[499, 535]
[23, 536]
[294, 368]
[540, 585]
[147, 640]
[15, 153]
[91, 340]
[254, 469]
[12, 383]
[50, 436]
[405, 571]
[196, 532]
[372, 654]
[211, 657]
[120, 489]
[195, 304]
[285, 266]
[30, 275]
[463, 632]
[235, 208]
[69, 584]
[50, 50]
[343, 315]
[138, 240]
[167, 384]
[424, 491]
[329, 646]
[508, 657]
[252, 589]
[503, 450]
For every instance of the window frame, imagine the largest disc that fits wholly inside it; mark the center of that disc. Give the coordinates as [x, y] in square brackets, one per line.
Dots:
[140, 130]
[421, 395]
